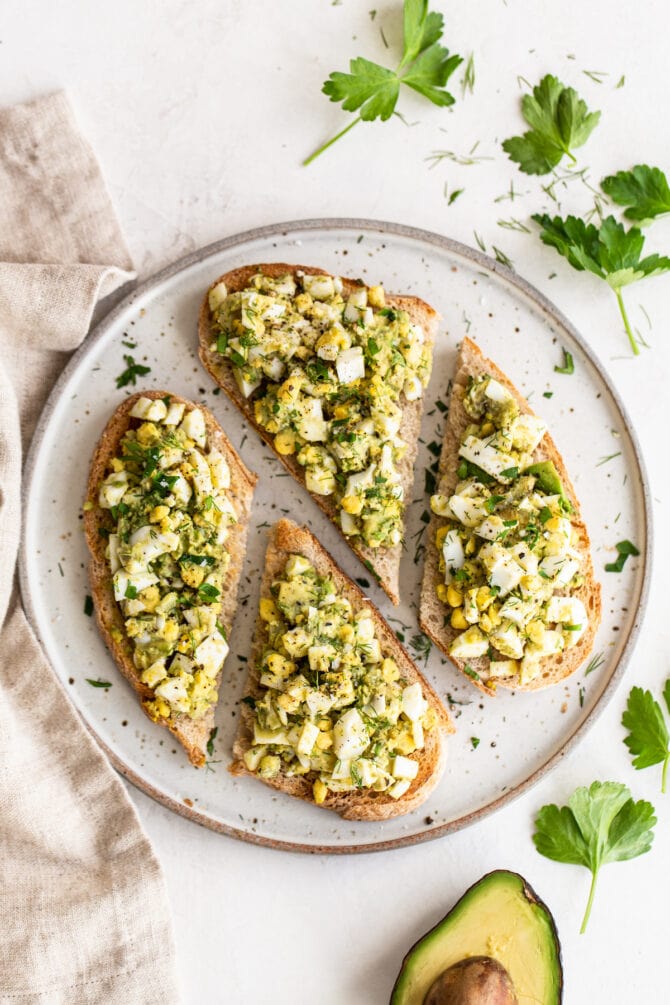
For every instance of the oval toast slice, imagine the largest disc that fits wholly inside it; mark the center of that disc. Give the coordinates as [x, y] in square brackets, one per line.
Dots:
[142, 555]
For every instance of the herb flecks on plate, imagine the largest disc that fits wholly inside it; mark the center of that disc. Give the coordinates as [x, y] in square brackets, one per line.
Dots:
[373, 90]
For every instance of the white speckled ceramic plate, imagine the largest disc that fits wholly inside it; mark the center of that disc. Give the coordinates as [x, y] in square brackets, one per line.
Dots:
[519, 735]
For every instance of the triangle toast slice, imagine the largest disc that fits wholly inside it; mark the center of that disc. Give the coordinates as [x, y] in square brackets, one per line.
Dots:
[448, 606]
[338, 727]
[382, 561]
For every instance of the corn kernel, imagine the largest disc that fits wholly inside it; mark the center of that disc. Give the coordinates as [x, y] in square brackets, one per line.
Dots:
[440, 536]
[442, 592]
[352, 504]
[268, 609]
[457, 620]
[454, 597]
[158, 513]
[319, 791]
[390, 670]
[484, 597]
[376, 296]
[279, 665]
[289, 391]
[284, 442]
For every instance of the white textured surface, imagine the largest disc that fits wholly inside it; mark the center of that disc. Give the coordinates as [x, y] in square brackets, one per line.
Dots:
[200, 114]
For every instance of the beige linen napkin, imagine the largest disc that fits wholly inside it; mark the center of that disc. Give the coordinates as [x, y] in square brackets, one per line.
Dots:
[83, 910]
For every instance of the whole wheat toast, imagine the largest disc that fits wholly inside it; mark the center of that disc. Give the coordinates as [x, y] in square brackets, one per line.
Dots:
[472, 363]
[288, 539]
[193, 734]
[384, 562]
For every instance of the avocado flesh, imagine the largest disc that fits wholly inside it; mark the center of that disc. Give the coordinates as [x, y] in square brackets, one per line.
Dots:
[500, 916]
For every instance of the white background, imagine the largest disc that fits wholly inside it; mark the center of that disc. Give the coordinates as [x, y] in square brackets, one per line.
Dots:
[200, 113]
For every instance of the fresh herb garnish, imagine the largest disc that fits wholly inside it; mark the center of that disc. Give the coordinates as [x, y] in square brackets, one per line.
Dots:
[201, 560]
[475, 741]
[208, 592]
[467, 669]
[624, 549]
[648, 737]
[559, 121]
[643, 190]
[609, 252]
[248, 700]
[491, 503]
[98, 683]
[88, 605]
[600, 824]
[509, 472]
[594, 663]
[547, 394]
[131, 592]
[132, 372]
[210, 742]
[372, 90]
[568, 364]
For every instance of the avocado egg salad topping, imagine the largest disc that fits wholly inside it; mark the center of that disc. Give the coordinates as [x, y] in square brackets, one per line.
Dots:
[329, 373]
[507, 546]
[332, 704]
[170, 513]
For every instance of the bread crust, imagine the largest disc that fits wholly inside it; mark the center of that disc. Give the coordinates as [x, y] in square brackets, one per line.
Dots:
[472, 362]
[286, 539]
[385, 562]
[193, 734]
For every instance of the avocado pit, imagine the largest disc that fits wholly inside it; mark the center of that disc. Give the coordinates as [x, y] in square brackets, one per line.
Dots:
[479, 980]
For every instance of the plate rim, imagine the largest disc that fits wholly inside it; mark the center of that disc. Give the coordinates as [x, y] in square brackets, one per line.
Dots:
[551, 312]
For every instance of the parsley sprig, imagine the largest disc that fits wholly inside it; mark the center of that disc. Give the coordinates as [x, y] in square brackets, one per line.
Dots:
[559, 121]
[600, 824]
[373, 90]
[609, 251]
[643, 190]
[648, 738]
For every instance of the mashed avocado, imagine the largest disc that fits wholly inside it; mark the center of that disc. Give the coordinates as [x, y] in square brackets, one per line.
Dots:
[169, 518]
[332, 705]
[328, 375]
[508, 549]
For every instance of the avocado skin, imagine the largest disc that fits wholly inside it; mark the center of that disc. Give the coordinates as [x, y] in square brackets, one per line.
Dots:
[439, 941]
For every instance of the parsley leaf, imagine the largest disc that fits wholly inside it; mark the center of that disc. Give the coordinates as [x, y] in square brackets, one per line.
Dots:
[610, 252]
[600, 824]
[648, 737]
[559, 121]
[373, 90]
[568, 364]
[98, 683]
[132, 372]
[644, 190]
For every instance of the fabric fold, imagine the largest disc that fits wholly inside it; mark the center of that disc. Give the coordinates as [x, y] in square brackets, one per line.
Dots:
[83, 914]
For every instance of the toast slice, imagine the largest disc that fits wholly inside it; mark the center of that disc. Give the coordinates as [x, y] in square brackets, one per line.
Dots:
[192, 732]
[435, 614]
[362, 803]
[383, 562]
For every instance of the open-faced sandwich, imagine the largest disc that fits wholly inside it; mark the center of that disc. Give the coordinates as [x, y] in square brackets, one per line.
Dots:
[508, 590]
[336, 712]
[331, 373]
[166, 522]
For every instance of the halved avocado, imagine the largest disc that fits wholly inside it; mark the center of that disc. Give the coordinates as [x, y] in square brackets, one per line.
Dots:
[501, 917]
